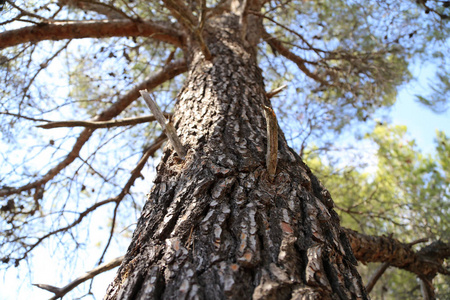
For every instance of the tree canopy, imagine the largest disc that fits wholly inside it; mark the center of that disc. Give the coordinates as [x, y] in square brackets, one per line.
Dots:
[79, 147]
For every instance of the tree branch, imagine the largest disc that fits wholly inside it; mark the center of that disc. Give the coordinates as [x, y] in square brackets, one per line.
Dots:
[71, 225]
[60, 30]
[288, 29]
[276, 91]
[165, 125]
[376, 276]
[380, 271]
[425, 262]
[182, 13]
[19, 116]
[135, 173]
[168, 72]
[300, 62]
[60, 292]
[108, 10]
[101, 124]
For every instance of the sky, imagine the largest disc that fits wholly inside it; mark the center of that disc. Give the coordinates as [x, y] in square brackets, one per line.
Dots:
[421, 122]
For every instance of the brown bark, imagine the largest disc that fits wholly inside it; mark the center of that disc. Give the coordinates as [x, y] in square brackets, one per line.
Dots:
[215, 226]
[424, 263]
[60, 30]
[427, 261]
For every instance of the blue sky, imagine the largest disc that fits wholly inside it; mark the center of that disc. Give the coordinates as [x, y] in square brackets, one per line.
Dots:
[421, 122]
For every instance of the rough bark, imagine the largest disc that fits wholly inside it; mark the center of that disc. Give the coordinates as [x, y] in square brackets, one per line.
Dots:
[215, 226]
[425, 263]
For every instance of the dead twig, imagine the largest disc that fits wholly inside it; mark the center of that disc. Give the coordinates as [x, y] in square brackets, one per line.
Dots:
[60, 292]
[376, 276]
[165, 125]
[101, 124]
[276, 91]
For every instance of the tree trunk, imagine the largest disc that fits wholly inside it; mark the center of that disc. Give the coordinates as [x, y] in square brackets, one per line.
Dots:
[215, 225]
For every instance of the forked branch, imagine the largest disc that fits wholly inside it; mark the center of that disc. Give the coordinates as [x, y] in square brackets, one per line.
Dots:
[186, 18]
[135, 173]
[300, 62]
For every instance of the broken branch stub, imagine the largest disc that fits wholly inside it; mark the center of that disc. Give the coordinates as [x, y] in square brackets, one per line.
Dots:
[166, 126]
[272, 141]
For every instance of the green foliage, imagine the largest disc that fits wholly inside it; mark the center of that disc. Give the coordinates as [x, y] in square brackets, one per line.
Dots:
[407, 194]
[437, 100]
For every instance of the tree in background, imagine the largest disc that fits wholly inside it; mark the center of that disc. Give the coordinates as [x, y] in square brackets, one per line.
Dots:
[222, 220]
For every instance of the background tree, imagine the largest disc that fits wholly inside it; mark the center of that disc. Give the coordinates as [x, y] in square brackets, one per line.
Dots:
[340, 59]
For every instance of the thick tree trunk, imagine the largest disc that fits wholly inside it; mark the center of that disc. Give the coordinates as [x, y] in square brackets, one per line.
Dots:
[215, 226]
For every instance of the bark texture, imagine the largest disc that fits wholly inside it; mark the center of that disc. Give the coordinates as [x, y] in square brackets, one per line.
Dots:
[215, 226]
[425, 263]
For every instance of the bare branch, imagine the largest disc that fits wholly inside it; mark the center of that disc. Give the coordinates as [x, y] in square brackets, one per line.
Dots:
[60, 30]
[25, 12]
[167, 126]
[135, 173]
[42, 67]
[60, 292]
[71, 225]
[184, 15]
[300, 62]
[427, 289]
[111, 232]
[181, 13]
[428, 9]
[276, 91]
[108, 10]
[19, 116]
[425, 262]
[288, 29]
[376, 276]
[423, 240]
[101, 124]
[170, 71]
